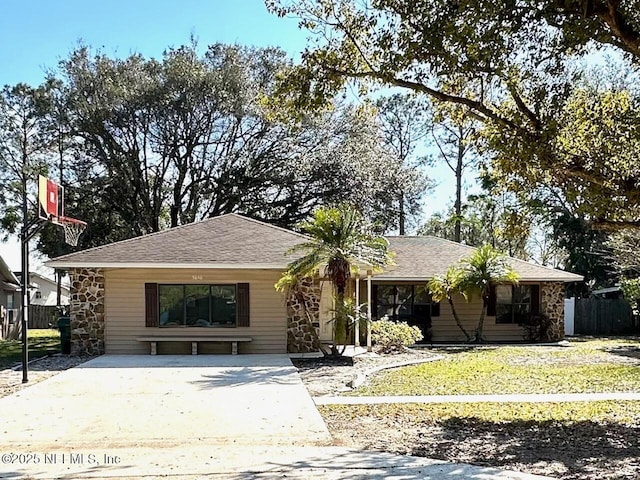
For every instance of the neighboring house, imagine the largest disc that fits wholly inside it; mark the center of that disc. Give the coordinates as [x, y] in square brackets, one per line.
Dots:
[608, 292]
[44, 291]
[218, 275]
[9, 301]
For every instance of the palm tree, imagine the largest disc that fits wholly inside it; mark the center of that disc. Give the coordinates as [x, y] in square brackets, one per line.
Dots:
[339, 242]
[484, 268]
[444, 287]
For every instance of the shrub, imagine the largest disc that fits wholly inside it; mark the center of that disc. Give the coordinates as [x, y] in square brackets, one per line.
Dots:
[536, 328]
[391, 336]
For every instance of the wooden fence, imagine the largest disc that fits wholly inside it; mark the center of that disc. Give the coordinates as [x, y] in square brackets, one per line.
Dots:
[41, 316]
[603, 316]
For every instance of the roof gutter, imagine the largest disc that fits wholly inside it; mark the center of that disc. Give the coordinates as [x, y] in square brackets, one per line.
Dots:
[521, 279]
[226, 266]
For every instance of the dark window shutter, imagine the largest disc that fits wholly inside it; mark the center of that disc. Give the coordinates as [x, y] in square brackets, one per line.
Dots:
[151, 304]
[435, 309]
[535, 299]
[491, 306]
[242, 304]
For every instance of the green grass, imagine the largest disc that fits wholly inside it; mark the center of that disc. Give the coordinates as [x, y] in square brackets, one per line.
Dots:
[42, 342]
[621, 412]
[584, 367]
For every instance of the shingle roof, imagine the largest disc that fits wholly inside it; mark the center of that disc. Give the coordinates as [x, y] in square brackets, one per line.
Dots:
[234, 241]
[7, 275]
[422, 257]
[227, 241]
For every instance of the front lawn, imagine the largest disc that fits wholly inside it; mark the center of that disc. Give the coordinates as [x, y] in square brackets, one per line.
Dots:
[42, 342]
[584, 367]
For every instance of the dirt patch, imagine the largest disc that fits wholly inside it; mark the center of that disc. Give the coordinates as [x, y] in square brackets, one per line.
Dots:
[578, 451]
[329, 376]
[39, 370]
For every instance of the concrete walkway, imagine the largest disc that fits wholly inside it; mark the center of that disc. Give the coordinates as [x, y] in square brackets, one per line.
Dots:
[510, 398]
[188, 417]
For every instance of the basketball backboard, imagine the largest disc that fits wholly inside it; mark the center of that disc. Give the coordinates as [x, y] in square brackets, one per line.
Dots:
[50, 199]
[51, 209]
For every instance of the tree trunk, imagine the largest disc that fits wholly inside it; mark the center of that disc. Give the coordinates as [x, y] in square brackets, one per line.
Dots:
[340, 324]
[173, 213]
[479, 329]
[458, 202]
[401, 218]
[457, 319]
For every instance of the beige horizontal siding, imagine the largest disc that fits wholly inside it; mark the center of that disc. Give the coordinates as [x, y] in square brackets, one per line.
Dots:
[125, 311]
[445, 328]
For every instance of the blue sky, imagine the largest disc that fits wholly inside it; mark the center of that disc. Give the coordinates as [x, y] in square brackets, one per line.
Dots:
[36, 34]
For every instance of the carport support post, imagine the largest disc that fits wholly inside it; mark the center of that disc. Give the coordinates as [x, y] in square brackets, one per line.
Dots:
[369, 310]
[356, 340]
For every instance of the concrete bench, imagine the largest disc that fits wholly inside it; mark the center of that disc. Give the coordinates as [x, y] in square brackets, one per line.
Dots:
[195, 339]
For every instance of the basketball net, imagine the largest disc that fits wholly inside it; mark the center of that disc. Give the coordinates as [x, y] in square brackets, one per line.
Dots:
[73, 228]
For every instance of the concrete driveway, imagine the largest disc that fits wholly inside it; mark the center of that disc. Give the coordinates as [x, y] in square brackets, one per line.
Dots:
[112, 401]
[244, 416]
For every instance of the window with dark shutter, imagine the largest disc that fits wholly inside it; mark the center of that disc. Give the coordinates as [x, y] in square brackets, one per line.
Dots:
[197, 305]
[243, 305]
[151, 304]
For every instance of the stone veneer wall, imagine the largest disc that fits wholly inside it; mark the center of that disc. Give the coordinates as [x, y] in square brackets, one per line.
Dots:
[552, 305]
[303, 315]
[87, 311]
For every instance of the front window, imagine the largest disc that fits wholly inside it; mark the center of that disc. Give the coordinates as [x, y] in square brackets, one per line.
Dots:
[404, 302]
[513, 304]
[197, 305]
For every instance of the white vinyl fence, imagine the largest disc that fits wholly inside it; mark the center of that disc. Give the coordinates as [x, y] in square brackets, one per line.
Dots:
[569, 315]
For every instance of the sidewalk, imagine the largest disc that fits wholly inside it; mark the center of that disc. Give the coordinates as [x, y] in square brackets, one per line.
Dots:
[511, 398]
[200, 461]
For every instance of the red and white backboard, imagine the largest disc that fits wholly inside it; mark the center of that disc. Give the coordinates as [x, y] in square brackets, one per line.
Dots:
[50, 199]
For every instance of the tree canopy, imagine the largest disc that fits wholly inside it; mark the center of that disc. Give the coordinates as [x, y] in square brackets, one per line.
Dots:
[514, 66]
[143, 144]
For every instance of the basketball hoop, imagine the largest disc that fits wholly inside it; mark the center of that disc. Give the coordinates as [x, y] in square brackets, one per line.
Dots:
[73, 228]
[51, 209]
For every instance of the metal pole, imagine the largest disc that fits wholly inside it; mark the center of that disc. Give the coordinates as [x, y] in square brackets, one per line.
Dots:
[24, 279]
[356, 340]
[369, 310]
